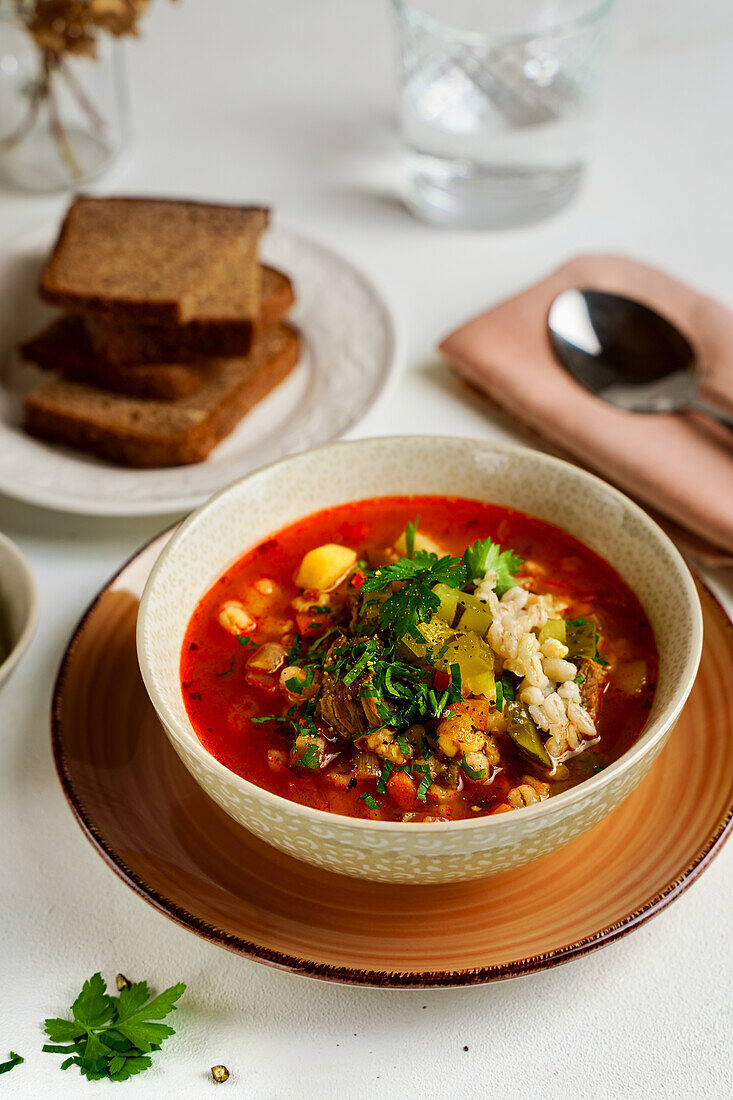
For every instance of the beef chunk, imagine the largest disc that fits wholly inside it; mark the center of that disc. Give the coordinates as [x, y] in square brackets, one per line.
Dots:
[593, 686]
[339, 705]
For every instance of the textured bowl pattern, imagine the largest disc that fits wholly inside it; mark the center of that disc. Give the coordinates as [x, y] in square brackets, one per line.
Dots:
[255, 507]
[158, 829]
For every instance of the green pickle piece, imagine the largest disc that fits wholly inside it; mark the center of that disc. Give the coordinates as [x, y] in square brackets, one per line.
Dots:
[474, 658]
[462, 610]
[581, 639]
[436, 633]
[525, 735]
[448, 602]
[553, 628]
[476, 615]
[450, 646]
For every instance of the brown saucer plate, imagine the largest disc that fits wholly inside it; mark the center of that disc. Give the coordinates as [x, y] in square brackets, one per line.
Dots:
[156, 828]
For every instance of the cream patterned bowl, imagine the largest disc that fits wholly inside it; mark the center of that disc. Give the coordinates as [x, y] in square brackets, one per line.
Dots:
[252, 509]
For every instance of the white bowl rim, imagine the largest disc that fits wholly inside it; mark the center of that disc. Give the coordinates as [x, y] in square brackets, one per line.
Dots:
[649, 737]
[29, 627]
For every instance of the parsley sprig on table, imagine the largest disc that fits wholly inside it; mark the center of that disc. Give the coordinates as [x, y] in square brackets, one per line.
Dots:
[112, 1037]
[13, 1061]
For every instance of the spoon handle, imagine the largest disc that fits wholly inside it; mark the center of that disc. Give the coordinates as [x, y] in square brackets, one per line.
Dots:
[710, 409]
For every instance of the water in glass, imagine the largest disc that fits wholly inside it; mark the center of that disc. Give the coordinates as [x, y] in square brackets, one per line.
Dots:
[496, 125]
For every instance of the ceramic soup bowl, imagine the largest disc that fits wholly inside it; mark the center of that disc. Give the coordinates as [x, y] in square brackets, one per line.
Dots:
[18, 607]
[252, 509]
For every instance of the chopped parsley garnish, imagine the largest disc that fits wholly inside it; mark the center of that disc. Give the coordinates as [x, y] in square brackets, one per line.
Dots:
[415, 601]
[425, 782]
[112, 1037]
[404, 744]
[507, 684]
[228, 670]
[13, 1061]
[486, 555]
[475, 774]
[370, 801]
[246, 642]
[310, 759]
[579, 679]
[384, 776]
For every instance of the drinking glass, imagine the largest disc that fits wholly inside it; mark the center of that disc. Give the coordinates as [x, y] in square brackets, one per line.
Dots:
[496, 104]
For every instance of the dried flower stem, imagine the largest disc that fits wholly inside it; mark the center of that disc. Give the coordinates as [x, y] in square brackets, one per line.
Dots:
[96, 119]
[56, 126]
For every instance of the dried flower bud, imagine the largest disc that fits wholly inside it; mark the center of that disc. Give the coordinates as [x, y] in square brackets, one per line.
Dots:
[123, 982]
[220, 1074]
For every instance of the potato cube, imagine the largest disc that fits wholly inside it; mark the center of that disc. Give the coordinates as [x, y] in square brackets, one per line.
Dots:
[323, 567]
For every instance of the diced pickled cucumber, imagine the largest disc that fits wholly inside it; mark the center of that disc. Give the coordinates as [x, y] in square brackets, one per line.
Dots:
[436, 633]
[525, 735]
[476, 615]
[475, 660]
[462, 609]
[553, 628]
[445, 646]
[581, 639]
[448, 602]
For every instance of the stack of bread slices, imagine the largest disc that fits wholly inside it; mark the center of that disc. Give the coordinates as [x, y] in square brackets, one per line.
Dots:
[172, 329]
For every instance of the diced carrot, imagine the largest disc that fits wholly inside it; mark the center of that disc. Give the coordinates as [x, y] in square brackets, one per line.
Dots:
[402, 789]
[501, 809]
[310, 624]
[358, 579]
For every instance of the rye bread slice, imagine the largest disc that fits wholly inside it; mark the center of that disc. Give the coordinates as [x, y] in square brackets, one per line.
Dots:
[135, 432]
[65, 346]
[222, 331]
[154, 260]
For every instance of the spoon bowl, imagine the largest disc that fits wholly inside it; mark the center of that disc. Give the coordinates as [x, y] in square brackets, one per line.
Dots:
[625, 353]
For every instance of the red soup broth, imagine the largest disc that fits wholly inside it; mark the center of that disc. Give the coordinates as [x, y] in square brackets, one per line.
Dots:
[221, 705]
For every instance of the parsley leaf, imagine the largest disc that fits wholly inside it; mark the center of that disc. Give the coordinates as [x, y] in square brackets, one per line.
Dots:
[486, 555]
[507, 685]
[309, 759]
[472, 773]
[410, 532]
[112, 1037]
[13, 1061]
[370, 801]
[414, 601]
[384, 776]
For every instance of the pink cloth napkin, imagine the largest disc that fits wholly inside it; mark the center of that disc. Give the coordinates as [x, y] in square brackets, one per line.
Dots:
[681, 465]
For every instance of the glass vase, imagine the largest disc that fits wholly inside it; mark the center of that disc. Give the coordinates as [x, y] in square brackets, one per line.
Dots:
[63, 120]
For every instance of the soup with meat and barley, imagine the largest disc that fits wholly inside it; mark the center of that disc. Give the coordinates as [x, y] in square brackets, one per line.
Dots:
[418, 659]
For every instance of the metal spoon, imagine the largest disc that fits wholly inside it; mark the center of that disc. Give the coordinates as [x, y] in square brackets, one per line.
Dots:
[627, 354]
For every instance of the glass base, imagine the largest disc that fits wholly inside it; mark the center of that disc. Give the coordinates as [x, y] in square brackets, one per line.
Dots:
[458, 193]
[36, 163]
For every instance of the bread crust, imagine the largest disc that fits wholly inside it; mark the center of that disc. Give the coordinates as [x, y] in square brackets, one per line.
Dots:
[146, 434]
[127, 256]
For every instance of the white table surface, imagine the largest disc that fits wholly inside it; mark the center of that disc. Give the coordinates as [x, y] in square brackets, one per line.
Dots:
[292, 102]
